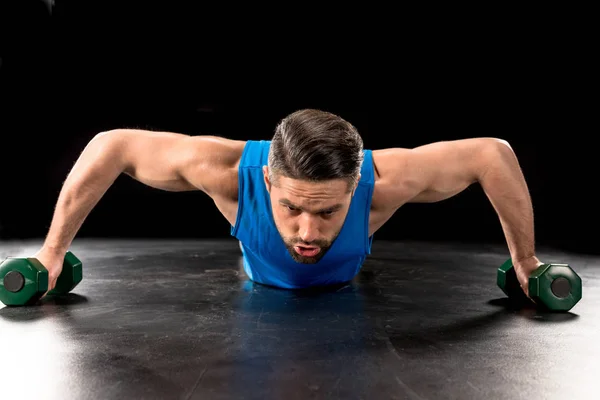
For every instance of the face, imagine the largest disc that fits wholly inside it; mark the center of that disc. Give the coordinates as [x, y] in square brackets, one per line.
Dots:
[308, 215]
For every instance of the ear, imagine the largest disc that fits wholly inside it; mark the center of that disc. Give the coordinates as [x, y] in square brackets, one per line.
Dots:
[266, 178]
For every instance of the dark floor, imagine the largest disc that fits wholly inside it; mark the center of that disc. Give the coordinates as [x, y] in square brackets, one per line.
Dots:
[179, 320]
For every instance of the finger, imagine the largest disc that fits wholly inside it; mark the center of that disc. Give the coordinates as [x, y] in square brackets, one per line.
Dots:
[528, 296]
[526, 291]
[51, 285]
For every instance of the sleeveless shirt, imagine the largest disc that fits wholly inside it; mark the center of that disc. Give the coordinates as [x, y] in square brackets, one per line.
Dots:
[266, 260]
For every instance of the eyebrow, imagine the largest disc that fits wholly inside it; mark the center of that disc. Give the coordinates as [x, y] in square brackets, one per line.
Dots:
[335, 207]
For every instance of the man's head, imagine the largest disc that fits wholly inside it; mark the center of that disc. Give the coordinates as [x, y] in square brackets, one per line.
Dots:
[314, 167]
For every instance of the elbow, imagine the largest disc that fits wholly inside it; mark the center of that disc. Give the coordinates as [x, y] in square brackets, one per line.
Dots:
[501, 145]
[108, 147]
[500, 148]
[496, 154]
[112, 139]
[108, 136]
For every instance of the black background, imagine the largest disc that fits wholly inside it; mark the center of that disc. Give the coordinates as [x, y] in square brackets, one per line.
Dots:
[403, 79]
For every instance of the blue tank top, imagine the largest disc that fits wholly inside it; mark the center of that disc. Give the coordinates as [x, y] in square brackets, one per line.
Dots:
[266, 259]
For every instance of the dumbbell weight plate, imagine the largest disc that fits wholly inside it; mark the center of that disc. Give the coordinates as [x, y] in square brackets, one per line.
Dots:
[70, 276]
[507, 281]
[556, 286]
[22, 281]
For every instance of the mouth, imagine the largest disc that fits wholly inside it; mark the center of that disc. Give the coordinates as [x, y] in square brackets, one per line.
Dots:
[307, 251]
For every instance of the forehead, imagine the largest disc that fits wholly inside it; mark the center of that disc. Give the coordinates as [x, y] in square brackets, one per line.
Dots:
[311, 191]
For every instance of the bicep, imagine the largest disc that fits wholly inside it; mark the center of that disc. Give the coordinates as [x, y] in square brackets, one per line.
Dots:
[432, 172]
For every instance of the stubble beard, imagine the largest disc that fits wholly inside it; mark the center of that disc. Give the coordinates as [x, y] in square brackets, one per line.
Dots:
[324, 246]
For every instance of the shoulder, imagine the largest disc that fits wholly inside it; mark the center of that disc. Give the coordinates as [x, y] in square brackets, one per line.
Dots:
[393, 178]
[211, 164]
[222, 152]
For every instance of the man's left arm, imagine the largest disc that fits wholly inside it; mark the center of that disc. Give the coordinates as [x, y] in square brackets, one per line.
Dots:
[440, 170]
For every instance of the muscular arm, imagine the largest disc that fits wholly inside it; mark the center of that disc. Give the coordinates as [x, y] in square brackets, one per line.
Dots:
[163, 160]
[437, 171]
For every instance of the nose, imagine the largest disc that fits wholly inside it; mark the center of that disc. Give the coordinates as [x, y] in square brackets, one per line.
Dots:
[309, 229]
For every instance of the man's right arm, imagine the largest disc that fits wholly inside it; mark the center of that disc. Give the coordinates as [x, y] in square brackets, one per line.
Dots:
[163, 160]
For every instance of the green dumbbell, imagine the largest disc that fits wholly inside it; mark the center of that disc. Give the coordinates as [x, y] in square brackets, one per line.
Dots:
[23, 281]
[554, 286]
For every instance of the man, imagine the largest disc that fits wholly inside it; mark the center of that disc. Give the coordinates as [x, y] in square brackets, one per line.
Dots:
[306, 204]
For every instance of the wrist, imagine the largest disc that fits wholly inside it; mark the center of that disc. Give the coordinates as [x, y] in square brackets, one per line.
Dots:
[53, 249]
[527, 263]
[524, 258]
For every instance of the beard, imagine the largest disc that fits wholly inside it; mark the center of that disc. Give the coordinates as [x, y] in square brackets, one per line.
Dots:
[323, 245]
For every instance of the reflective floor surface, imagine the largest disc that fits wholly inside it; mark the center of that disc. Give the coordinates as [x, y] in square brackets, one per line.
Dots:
[178, 319]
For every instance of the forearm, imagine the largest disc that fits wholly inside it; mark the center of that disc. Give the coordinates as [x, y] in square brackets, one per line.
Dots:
[506, 188]
[94, 172]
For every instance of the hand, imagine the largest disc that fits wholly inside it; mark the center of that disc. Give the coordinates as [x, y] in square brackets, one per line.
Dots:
[52, 260]
[524, 268]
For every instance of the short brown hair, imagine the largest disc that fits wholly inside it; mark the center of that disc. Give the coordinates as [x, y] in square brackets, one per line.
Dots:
[316, 145]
